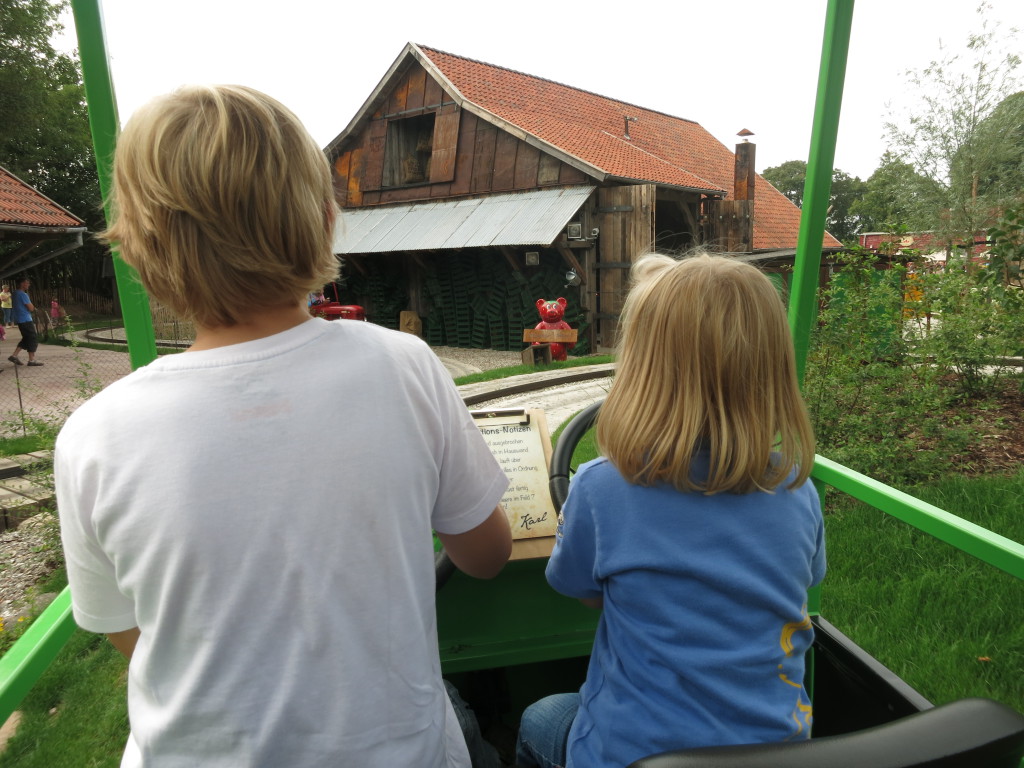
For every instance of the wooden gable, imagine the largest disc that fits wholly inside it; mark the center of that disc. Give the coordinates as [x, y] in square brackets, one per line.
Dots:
[419, 144]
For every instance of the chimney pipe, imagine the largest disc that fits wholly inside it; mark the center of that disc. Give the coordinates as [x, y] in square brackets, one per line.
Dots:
[743, 188]
[628, 120]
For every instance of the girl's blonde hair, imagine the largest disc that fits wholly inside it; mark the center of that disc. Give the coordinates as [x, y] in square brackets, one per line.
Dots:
[705, 360]
[223, 203]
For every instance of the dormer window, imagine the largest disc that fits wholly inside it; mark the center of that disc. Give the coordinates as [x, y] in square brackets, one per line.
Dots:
[407, 151]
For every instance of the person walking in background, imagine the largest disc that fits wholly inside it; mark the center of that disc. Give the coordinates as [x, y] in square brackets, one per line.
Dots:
[54, 312]
[22, 310]
[5, 304]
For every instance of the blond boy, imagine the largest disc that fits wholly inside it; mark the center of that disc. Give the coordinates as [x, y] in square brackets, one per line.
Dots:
[274, 593]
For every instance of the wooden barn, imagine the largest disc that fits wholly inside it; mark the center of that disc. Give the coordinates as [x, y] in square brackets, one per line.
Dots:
[468, 191]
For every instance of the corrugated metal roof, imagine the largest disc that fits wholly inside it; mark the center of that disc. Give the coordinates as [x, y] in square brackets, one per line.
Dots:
[517, 218]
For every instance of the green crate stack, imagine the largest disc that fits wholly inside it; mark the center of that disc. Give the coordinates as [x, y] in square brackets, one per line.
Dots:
[513, 315]
[497, 326]
[433, 334]
[478, 336]
[433, 323]
[463, 284]
[446, 303]
[386, 301]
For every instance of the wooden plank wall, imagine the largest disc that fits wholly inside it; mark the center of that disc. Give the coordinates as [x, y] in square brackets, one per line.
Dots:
[626, 219]
[486, 159]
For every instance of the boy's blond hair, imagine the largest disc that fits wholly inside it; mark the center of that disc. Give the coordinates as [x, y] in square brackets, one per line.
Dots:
[223, 203]
[705, 360]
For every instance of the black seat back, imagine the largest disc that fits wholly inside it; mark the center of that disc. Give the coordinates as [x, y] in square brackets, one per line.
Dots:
[969, 733]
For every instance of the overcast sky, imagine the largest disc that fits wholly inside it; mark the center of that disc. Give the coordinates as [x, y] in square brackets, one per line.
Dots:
[727, 64]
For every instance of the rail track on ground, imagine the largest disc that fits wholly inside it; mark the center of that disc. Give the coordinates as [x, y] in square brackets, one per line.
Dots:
[559, 393]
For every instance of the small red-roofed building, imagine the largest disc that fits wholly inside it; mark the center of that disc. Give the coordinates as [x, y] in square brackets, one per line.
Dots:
[929, 246]
[468, 191]
[29, 218]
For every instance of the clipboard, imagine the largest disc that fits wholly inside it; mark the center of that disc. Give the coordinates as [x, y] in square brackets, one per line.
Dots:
[520, 442]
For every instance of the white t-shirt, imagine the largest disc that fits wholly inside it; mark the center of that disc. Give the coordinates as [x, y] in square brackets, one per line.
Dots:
[263, 513]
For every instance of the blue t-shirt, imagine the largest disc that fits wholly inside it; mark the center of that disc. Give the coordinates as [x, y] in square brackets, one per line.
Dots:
[704, 629]
[19, 311]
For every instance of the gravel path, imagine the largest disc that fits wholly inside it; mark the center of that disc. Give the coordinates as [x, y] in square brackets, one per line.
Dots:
[460, 361]
[22, 564]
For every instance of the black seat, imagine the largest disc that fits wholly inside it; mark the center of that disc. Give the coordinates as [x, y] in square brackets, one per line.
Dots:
[969, 733]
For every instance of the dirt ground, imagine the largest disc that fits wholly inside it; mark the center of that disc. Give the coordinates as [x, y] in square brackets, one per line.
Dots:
[64, 380]
[1001, 448]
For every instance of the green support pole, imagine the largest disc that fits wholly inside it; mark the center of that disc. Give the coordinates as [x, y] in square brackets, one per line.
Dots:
[818, 185]
[103, 121]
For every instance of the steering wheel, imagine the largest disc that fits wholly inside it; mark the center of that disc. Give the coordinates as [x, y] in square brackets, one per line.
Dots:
[561, 458]
[443, 569]
[558, 479]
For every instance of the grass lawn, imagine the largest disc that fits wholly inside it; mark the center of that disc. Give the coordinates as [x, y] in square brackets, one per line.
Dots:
[14, 446]
[76, 715]
[945, 622]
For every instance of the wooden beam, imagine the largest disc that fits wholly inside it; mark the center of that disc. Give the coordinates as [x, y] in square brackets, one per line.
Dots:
[509, 254]
[572, 261]
[355, 263]
[419, 260]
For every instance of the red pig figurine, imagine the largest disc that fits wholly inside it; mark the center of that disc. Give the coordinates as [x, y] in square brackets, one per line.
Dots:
[551, 314]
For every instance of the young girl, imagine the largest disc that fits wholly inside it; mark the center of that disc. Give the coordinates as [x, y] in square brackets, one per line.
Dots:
[697, 531]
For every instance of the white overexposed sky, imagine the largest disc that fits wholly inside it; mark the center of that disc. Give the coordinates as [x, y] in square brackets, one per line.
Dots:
[727, 64]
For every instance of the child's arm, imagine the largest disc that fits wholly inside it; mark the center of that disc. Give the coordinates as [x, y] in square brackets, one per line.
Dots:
[125, 641]
[481, 552]
[573, 564]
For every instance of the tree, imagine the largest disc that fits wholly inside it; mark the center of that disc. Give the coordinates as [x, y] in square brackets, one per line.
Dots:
[952, 133]
[1001, 175]
[789, 179]
[896, 198]
[841, 220]
[44, 136]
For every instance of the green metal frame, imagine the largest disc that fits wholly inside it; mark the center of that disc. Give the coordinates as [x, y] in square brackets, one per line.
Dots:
[803, 307]
[104, 124]
[516, 619]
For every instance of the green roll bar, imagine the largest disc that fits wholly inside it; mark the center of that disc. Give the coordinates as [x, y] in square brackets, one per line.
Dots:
[803, 308]
[104, 124]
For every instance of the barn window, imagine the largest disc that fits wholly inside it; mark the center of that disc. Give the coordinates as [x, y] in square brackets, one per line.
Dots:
[407, 151]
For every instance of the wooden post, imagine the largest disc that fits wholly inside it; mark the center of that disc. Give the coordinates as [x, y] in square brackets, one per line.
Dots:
[743, 187]
[741, 230]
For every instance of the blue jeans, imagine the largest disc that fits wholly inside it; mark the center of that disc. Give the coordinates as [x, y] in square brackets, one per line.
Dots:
[544, 731]
[481, 753]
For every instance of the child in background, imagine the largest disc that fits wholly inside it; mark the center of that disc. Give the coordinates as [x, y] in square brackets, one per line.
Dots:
[54, 311]
[697, 531]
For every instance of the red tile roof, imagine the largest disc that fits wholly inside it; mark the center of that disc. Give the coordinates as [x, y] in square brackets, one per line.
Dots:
[661, 149]
[23, 205]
